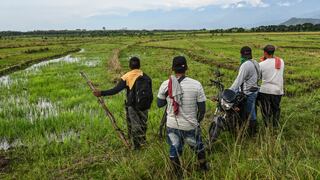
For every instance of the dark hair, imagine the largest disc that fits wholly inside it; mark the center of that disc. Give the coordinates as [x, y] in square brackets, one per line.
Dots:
[134, 63]
[179, 64]
[246, 52]
[269, 52]
[269, 49]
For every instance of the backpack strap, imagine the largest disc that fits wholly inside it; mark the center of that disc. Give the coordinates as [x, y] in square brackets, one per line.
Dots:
[258, 75]
[181, 79]
[257, 71]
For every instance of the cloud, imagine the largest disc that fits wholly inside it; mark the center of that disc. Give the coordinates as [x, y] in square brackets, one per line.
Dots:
[60, 14]
[288, 3]
[50, 13]
[284, 4]
[242, 4]
[88, 8]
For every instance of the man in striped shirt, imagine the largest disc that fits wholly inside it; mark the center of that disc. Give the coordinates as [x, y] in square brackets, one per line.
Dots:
[185, 100]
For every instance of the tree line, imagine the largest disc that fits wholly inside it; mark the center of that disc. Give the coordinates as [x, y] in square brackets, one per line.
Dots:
[307, 27]
[77, 33]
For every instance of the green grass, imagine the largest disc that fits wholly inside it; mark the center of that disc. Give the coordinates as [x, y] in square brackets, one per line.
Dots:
[65, 134]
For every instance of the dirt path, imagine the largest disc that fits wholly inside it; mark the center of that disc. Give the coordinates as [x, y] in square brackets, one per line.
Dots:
[114, 62]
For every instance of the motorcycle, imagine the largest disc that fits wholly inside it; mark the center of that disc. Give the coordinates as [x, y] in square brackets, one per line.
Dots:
[228, 115]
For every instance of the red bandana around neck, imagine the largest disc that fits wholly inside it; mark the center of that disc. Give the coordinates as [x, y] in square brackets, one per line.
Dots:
[174, 103]
[277, 62]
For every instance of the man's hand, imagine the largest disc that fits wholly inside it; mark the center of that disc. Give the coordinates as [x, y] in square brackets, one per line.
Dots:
[262, 58]
[97, 93]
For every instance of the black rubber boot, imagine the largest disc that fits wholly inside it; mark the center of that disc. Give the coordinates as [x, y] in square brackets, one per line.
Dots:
[177, 170]
[4, 162]
[203, 164]
[136, 144]
[253, 126]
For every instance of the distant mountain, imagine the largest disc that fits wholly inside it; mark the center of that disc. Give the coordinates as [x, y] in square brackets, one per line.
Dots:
[296, 21]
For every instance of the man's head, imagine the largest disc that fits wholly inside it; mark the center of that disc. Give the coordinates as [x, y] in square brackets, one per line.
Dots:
[179, 65]
[246, 52]
[134, 63]
[269, 51]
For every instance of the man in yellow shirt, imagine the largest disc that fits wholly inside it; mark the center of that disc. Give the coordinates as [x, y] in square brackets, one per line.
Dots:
[139, 99]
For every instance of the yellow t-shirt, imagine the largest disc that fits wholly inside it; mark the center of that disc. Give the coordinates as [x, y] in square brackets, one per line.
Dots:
[131, 77]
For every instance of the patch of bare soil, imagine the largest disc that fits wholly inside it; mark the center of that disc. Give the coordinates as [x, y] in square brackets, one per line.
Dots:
[114, 62]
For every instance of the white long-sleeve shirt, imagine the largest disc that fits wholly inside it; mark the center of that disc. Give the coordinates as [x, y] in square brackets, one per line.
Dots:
[272, 78]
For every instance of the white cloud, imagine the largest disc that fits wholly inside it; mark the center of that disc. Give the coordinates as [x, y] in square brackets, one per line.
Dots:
[284, 3]
[87, 8]
[54, 12]
[288, 3]
[242, 4]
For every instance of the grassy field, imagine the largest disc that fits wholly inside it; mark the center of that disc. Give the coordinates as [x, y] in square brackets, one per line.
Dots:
[51, 126]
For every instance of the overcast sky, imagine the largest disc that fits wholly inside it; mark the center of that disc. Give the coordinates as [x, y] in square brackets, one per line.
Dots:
[27, 15]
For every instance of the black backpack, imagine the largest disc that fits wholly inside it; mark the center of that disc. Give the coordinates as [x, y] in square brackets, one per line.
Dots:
[142, 93]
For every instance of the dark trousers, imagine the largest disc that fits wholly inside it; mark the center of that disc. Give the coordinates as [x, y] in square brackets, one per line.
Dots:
[137, 125]
[270, 108]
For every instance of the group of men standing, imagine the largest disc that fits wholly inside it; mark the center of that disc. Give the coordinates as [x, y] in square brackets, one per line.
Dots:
[268, 96]
[185, 99]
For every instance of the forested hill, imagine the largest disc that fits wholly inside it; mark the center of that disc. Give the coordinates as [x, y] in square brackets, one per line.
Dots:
[296, 21]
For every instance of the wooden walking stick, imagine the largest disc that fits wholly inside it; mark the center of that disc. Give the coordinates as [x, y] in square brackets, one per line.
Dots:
[108, 113]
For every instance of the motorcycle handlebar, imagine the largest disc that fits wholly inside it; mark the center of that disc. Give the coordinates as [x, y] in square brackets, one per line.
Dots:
[217, 83]
[214, 81]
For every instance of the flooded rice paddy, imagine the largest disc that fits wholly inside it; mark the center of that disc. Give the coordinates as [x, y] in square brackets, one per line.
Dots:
[20, 105]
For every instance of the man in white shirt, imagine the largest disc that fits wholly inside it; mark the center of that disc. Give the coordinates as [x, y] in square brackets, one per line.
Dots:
[271, 91]
[185, 100]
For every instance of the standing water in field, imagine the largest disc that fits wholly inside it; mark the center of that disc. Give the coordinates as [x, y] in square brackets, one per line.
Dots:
[62, 137]
[93, 63]
[41, 109]
[5, 81]
[6, 145]
[67, 59]
[26, 97]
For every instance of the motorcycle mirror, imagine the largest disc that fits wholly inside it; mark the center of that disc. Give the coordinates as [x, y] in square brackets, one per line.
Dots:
[214, 99]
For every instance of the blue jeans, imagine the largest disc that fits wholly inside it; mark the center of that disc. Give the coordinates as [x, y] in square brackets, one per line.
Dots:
[251, 106]
[176, 139]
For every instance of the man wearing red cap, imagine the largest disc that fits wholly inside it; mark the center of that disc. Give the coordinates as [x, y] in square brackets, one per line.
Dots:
[271, 91]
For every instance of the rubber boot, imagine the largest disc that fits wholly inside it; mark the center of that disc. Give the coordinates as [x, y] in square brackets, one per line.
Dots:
[4, 162]
[252, 128]
[177, 170]
[136, 144]
[203, 164]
